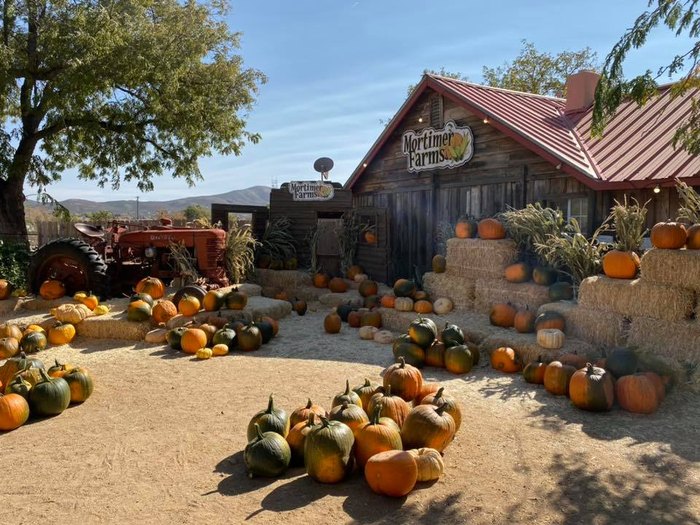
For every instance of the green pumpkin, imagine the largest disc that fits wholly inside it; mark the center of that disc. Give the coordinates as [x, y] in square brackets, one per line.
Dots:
[174, 336]
[266, 331]
[422, 332]
[225, 336]
[50, 396]
[561, 291]
[32, 342]
[435, 355]
[404, 288]
[138, 313]
[267, 454]
[269, 420]
[249, 338]
[622, 362]
[348, 396]
[452, 335]
[459, 359]
[544, 275]
[411, 352]
[80, 384]
[328, 451]
[20, 386]
[142, 297]
[344, 310]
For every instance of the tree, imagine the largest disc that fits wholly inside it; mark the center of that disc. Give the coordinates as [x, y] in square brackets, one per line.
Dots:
[195, 211]
[100, 217]
[683, 18]
[442, 72]
[122, 91]
[542, 73]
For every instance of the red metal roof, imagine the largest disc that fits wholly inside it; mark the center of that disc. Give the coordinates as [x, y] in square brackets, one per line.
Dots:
[634, 152]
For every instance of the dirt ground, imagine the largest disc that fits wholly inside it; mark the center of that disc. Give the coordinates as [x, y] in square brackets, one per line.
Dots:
[161, 440]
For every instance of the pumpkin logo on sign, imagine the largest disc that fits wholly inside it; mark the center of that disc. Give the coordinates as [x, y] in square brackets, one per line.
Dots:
[432, 148]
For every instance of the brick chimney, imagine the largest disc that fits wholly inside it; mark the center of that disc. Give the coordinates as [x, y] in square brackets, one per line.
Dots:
[580, 90]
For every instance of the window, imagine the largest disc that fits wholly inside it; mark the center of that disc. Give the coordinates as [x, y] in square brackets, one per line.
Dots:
[578, 209]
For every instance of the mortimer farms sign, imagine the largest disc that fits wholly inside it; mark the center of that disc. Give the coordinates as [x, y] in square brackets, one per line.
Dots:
[310, 190]
[431, 148]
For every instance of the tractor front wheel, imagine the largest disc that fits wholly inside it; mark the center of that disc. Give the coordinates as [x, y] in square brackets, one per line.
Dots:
[73, 262]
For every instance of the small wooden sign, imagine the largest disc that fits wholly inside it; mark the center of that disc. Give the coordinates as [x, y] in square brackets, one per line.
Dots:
[311, 190]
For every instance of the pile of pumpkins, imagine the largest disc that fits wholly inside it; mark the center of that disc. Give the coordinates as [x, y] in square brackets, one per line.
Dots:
[408, 298]
[549, 326]
[619, 264]
[395, 432]
[369, 322]
[425, 345]
[28, 388]
[591, 386]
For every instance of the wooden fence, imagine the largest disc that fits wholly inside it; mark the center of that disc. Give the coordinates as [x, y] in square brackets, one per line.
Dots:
[47, 231]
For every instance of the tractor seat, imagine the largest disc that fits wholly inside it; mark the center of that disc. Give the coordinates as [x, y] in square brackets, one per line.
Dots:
[95, 232]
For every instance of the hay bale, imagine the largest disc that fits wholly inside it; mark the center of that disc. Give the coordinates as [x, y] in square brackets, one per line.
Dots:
[113, 326]
[636, 297]
[285, 279]
[37, 303]
[459, 290]
[336, 299]
[598, 327]
[490, 291]
[679, 340]
[677, 268]
[480, 259]
[262, 306]
[528, 350]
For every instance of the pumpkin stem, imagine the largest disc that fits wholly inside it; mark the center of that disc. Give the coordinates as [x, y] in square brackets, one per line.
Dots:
[309, 403]
[402, 362]
[270, 405]
[324, 421]
[438, 394]
[258, 432]
[387, 391]
[44, 376]
[589, 369]
[367, 383]
[441, 408]
[376, 415]
[347, 387]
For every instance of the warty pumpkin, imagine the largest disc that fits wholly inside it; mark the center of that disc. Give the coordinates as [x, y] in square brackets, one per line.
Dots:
[429, 462]
[428, 426]
[163, 311]
[592, 388]
[506, 360]
[267, 454]
[61, 334]
[668, 235]
[272, 419]
[204, 353]
[391, 473]
[72, 313]
[14, 411]
[328, 453]
[404, 380]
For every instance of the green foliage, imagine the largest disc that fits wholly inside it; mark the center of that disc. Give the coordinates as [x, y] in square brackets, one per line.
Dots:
[689, 209]
[14, 261]
[240, 252]
[573, 253]
[629, 224]
[442, 72]
[122, 91]
[195, 211]
[100, 217]
[542, 73]
[682, 17]
[277, 241]
[532, 225]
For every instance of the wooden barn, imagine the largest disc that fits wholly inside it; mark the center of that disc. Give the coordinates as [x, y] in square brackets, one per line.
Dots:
[456, 148]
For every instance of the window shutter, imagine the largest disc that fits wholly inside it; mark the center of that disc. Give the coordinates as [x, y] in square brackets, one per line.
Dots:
[436, 111]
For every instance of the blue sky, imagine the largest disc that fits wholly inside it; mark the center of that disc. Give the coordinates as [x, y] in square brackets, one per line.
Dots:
[338, 67]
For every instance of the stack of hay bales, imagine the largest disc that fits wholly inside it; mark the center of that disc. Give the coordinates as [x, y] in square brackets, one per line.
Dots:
[656, 313]
[474, 277]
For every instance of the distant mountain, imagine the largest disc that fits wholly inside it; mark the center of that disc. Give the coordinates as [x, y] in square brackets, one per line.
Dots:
[253, 196]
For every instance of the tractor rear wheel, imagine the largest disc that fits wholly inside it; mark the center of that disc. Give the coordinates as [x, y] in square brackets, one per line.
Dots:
[73, 262]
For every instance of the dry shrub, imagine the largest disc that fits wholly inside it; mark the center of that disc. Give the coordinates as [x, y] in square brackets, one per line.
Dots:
[636, 298]
[480, 259]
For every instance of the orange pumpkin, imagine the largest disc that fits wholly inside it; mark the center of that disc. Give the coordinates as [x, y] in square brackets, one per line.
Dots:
[387, 301]
[321, 280]
[503, 315]
[9, 346]
[213, 300]
[451, 406]
[524, 321]
[374, 437]
[332, 323]
[506, 360]
[620, 265]
[668, 235]
[368, 287]
[404, 380]
[592, 388]
[518, 273]
[6, 289]
[391, 406]
[188, 305]
[573, 359]
[370, 237]
[163, 311]
[337, 285]
[534, 372]
[423, 307]
[556, 378]
[550, 319]
[282, 296]
[658, 383]
[465, 229]
[637, 393]
[354, 319]
[192, 340]
[373, 318]
[693, 242]
[52, 289]
[152, 286]
[353, 271]
[14, 411]
[391, 473]
[491, 229]
[428, 388]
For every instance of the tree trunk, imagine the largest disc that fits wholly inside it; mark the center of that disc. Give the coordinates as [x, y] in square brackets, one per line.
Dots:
[13, 229]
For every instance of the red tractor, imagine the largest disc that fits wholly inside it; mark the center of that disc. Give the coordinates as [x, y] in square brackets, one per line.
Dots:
[111, 261]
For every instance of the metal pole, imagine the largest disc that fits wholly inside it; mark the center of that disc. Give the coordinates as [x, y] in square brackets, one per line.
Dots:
[137, 208]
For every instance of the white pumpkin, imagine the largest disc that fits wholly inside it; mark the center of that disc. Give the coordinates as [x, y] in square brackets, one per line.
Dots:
[403, 304]
[429, 462]
[384, 337]
[156, 336]
[361, 277]
[550, 338]
[442, 306]
[367, 332]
